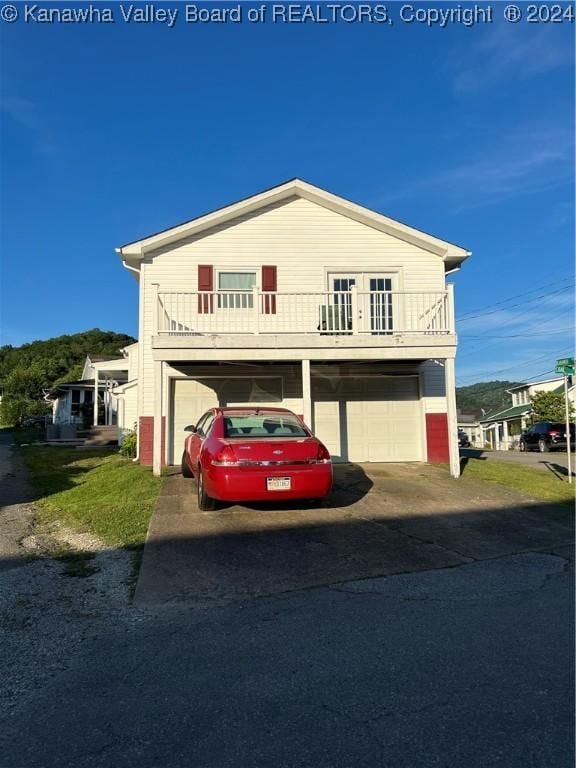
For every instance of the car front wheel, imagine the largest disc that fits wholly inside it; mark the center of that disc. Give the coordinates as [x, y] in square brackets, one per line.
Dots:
[543, 446]
[205, 502]
[522, 447]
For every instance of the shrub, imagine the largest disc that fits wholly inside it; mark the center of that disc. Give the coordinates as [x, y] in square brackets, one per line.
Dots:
[128, 447]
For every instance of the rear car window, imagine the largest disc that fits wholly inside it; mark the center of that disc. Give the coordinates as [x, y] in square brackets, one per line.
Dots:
[263, 425]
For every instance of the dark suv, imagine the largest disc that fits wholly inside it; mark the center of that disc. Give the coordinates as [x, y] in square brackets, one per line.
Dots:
[546, 436]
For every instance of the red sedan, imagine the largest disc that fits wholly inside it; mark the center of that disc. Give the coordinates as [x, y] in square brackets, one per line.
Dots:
[255, 454]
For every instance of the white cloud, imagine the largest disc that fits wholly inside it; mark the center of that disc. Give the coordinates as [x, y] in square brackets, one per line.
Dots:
[508, 52]
[511, 164]
[27, 115]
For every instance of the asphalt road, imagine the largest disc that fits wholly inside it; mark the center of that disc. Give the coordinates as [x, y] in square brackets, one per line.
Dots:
[467, 666]
[470, 665]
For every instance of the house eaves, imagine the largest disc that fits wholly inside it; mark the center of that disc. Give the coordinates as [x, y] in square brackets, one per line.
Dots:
[132, 253]
[508, 413]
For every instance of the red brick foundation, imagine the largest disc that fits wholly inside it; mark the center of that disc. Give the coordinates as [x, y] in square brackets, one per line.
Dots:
[146, 440]
[437, 438]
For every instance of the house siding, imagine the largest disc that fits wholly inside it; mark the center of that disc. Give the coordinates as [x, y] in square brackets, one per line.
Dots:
[303, 240]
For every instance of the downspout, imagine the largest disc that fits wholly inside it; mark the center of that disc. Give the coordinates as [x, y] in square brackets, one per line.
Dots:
[132, 269]
[136, 271]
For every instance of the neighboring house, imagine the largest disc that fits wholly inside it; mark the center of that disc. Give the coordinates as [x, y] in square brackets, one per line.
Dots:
[469, 423]
[98, 397]
[297, 297]
[502, 429]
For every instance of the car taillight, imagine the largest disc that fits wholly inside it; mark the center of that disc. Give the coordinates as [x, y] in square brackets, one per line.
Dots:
[554, 433]
[225, 457]
[322, 457]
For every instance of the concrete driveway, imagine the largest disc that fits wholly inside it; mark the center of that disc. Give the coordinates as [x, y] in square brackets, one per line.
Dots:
[380, 520]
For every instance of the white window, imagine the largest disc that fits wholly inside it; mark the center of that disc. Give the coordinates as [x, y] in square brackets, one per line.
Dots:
[235, 289]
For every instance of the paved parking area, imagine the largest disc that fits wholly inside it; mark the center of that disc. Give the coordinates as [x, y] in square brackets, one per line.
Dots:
[380, 520]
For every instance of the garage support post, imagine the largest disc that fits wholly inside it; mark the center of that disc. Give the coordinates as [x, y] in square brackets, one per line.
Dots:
[157, 437]
[450, 378]
[306, 393]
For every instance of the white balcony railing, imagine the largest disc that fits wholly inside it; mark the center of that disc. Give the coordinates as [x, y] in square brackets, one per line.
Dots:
[323, 313]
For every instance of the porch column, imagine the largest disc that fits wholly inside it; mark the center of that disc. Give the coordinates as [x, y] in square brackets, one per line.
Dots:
[306, 393]
[450, 380]
[505, 435]
[95, 404]
[157, 437]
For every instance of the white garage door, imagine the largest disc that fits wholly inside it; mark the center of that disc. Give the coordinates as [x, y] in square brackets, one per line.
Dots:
[369, 419]
[192, 397]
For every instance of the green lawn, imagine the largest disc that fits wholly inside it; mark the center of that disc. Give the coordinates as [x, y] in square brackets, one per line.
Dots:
[533, 482]
[95, 491]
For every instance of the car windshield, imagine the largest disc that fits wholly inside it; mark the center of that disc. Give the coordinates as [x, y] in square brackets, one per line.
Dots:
[258, 425]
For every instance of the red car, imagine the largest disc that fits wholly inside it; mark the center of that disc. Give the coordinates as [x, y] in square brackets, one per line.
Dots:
[255, 454]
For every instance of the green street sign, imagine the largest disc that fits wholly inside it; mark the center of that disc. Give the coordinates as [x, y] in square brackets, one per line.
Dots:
[565, 366]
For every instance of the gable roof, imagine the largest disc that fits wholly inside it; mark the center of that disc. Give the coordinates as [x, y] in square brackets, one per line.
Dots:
[508, 413]
[453, 255]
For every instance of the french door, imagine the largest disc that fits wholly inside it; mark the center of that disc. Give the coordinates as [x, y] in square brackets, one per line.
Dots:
[375, 310]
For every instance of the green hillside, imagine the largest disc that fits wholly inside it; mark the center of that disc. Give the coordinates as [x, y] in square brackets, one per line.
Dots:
[27, 370]
[489, 395]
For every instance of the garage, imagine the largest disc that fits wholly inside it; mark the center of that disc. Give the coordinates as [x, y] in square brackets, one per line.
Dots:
[369, 418]
[190, 398]
[360, 418]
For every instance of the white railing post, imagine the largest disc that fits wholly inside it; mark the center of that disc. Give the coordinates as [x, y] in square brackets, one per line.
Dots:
[450, 310]
[156, 329]
[354, 310]
[256, 308]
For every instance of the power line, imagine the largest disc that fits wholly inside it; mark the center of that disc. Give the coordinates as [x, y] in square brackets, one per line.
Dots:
[520, 335]
[515, 296]
[466, 318]
[526, 362]
[552, 318]
[499, 386]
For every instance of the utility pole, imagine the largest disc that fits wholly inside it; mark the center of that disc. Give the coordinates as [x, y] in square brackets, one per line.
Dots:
[566, 366]
[568, 447]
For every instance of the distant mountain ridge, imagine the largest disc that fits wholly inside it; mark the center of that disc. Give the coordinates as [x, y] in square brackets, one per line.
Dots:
[489, 396]
[62, 357]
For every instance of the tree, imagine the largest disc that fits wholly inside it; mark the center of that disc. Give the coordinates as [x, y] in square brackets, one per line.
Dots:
[22, 393]
[550, 406]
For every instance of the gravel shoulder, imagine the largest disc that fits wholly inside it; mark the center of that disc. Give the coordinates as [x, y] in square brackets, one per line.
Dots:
[57, 587]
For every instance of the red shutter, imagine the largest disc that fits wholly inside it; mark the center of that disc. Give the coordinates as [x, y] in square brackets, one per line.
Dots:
[206, 285]
[269, 285]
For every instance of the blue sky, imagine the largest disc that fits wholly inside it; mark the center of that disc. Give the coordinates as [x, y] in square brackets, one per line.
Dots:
[110, 132]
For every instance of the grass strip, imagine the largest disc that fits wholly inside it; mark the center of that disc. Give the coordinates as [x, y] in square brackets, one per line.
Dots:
[96, 492]
[533, 482]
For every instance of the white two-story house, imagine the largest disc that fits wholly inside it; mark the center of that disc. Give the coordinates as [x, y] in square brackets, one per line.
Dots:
[299, 298]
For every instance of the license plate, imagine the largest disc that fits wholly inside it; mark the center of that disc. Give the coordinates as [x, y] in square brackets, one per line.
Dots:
[278, 483]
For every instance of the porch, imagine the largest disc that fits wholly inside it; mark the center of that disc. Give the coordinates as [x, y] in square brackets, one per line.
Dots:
[328, 316]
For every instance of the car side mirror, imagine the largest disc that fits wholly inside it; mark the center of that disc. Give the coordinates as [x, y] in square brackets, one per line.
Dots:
[190, 428]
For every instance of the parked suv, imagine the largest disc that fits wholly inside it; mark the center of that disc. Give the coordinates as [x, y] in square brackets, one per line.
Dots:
[546, 436]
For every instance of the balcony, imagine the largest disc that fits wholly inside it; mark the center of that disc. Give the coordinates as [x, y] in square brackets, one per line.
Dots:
[328, 313]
